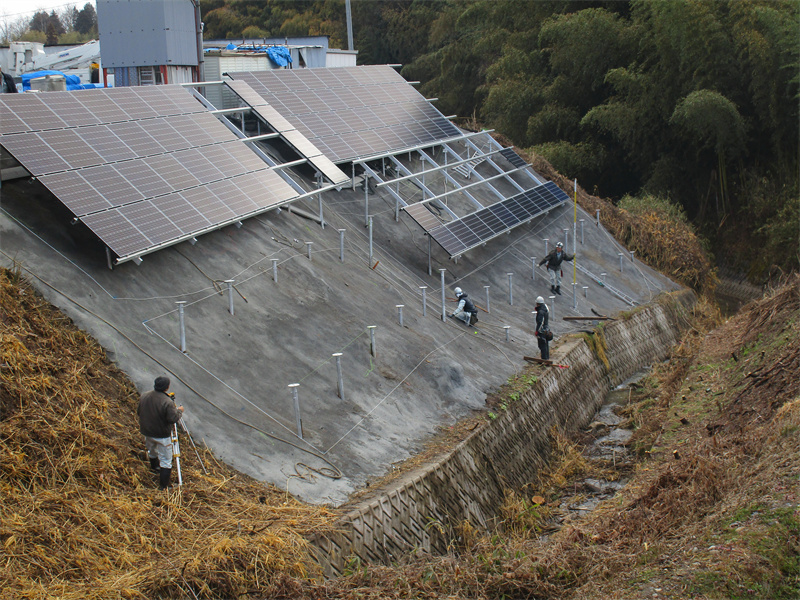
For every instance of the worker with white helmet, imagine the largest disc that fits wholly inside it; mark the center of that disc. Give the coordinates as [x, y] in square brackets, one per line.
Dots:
[553, 263]
[543, 333]
[465, 311]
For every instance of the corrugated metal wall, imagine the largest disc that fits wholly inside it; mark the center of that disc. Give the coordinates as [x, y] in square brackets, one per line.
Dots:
[147, 33]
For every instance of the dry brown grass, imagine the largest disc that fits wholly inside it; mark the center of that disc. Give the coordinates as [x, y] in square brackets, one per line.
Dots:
[663, 242]
[80, 516]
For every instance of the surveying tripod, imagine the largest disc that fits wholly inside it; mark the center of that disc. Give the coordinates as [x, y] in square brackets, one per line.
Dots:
[176, 447]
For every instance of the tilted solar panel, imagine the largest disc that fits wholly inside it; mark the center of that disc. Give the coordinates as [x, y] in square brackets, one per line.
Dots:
[351, 101]
[141, 167]
[297, 138]
[456, 237]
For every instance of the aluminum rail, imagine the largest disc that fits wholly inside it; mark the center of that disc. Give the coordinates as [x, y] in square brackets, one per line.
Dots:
[435, 169]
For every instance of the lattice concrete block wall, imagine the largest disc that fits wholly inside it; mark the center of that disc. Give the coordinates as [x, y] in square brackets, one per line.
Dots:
[424, 509]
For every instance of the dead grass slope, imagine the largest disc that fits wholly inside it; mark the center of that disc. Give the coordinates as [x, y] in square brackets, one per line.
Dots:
[80, 516]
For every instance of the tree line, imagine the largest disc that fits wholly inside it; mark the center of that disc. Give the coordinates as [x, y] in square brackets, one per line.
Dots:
[69, 25]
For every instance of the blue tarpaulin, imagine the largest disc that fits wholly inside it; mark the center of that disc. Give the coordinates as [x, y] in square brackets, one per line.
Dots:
[73, 81]
[280, 55]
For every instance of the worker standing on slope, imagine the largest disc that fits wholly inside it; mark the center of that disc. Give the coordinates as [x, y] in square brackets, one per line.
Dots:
[157, 415]
[465, 311]
[543, 333]
[553, 263]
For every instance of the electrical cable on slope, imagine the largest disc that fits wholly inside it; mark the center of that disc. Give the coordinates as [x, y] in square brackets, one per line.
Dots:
[332, 471]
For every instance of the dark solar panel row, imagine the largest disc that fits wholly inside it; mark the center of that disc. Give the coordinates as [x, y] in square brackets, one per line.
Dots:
[423, 216]
[57, 150]
[351, 112]
[288, 132]
[512, 157]
[463, 234]
[135, 227]
[59, 110]
[141, 166]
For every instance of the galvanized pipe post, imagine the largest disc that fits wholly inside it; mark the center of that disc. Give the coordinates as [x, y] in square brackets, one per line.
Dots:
[373, 349]
[603, 278]
[632, 253]
[533, 268]
[230, 295]
[308, 249]
[444, 306]
[424, 300]
[574, 296]
[620, 261]
[182, 324]
[597, 216]
[546, 246]
[400, 313]
[275, 270]
[486, 287]
[338, 357]
[553, 309]
[510, 288]
[507, 328]
[566, 238]
[581, 221]
[366, 199]
[341, 244]
[296, 399]
[586, 291]
[370, 241]
[319, 198]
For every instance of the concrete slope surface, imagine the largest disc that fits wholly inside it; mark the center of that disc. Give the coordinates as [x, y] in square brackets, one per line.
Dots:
[234, 377]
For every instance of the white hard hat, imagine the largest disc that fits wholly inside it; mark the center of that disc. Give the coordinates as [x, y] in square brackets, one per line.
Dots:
[559, 245]
[458, 291]
[539, 300]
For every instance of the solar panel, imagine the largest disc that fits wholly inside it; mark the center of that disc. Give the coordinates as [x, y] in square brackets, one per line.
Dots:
[456, 237]
[294, 137]
[351, 101]
[512, 157]
[141, 167]
[423, 216]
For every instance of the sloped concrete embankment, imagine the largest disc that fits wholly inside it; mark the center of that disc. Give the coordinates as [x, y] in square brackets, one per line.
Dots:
[424, 508]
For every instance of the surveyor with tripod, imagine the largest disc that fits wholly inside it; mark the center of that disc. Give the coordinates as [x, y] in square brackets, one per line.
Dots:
[158, 415]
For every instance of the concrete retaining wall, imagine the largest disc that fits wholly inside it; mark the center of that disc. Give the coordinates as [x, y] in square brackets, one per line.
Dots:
[424, 508]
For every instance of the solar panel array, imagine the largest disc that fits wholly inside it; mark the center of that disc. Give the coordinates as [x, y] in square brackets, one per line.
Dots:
[512, 157]
[351, 112]
[456, 237]
[288, 132]
[140, 166]
[422, 215]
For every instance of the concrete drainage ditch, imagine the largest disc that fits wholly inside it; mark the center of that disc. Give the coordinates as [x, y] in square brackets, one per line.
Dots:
[609, 447]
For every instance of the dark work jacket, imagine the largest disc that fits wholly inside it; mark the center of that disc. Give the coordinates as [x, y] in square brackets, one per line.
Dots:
[157, 413]
[9, 81]
[555, 258]
[542, 318]
[468, 305]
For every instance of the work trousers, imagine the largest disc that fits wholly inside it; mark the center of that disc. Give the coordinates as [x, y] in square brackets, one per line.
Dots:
[160, 448]
[544, 347]
[555, 277]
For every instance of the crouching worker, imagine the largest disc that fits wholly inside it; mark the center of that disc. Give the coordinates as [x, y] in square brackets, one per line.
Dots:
[157, 416]
[543, 333]
[465, 311]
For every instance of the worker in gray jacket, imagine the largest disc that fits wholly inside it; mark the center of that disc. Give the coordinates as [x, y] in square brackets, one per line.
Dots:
[465, 311]
[553, 263]
[157, 416]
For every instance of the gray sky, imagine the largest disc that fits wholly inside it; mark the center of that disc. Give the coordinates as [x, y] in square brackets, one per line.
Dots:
[13, 9]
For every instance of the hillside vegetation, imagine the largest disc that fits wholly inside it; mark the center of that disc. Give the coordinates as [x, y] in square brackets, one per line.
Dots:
[690, 101]
[712, 511]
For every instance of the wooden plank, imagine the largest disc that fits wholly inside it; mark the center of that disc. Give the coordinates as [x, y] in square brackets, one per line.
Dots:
[588, 318]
